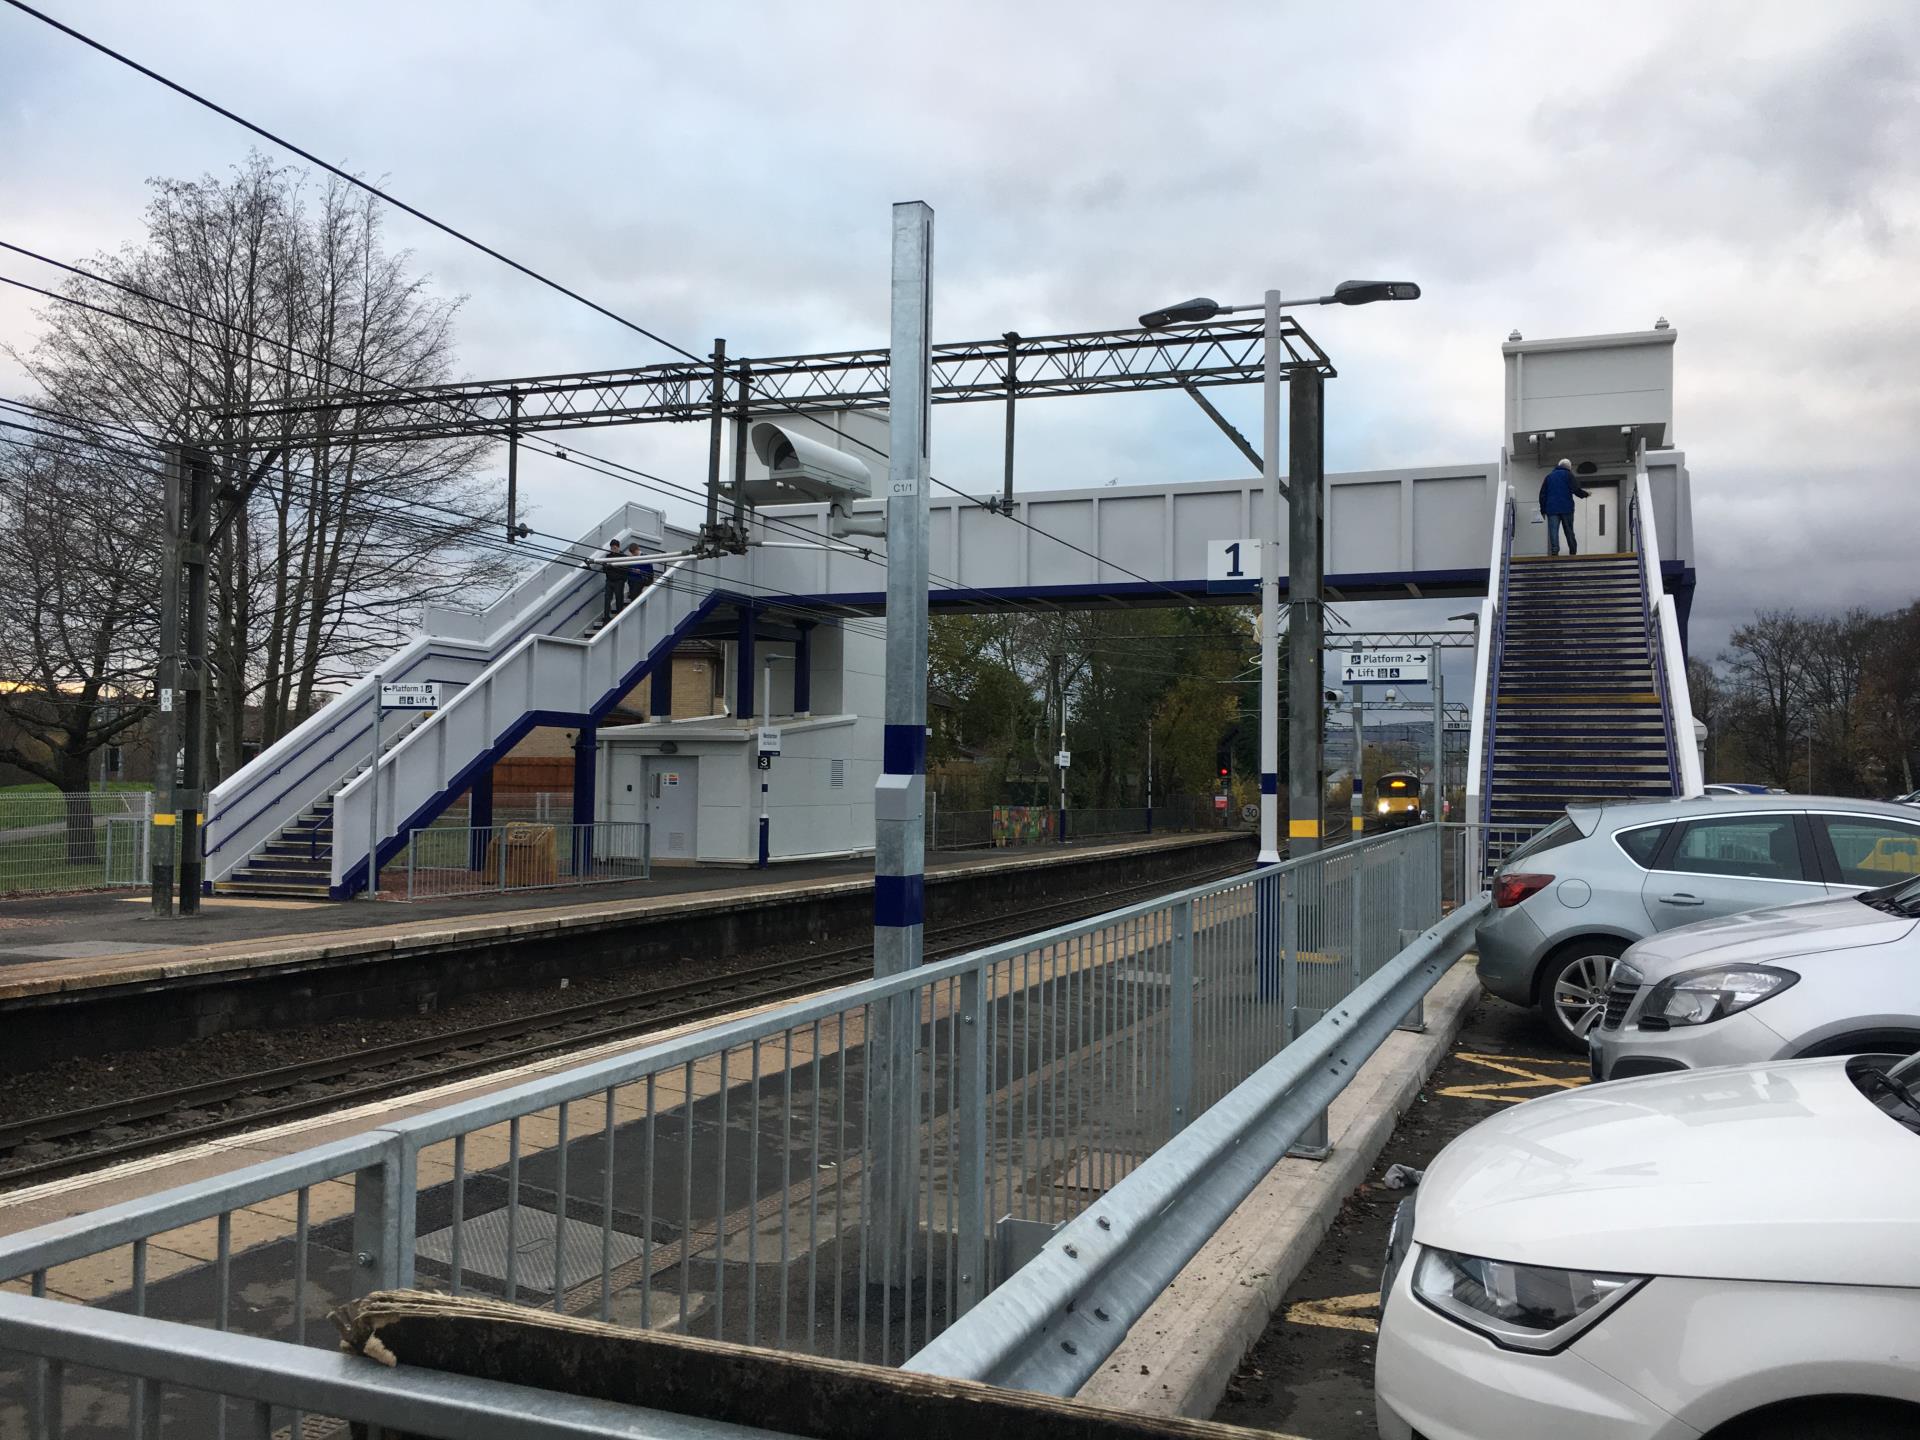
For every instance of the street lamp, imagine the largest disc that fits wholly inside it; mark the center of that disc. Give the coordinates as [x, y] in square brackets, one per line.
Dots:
[1306, 624]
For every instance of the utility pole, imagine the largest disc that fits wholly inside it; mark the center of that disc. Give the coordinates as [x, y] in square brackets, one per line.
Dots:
[167, 731]
[184, 680]
[899, 800]
[1357, 802]
[1270, 595]
[1060, 754]
[1306, 619]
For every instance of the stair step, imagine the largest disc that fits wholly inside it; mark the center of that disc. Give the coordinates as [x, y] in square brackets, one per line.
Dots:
[284, 874]
[267, 891]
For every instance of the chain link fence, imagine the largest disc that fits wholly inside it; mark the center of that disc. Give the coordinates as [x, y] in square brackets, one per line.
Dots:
[51, 842]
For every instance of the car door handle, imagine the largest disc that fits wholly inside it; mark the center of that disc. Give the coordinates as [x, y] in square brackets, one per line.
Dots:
[1681, 899]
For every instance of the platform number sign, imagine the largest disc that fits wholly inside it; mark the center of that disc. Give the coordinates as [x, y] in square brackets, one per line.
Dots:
[1384, 667]
[1233, 565]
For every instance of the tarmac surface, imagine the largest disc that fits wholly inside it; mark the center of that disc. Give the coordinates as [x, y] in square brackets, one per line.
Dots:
[1311, 1374]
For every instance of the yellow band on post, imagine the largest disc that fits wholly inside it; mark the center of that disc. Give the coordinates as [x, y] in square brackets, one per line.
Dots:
[1303, 829]
[1359, 823]
[161, 817]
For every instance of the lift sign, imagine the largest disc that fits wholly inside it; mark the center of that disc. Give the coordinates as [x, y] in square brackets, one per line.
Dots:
[411, 695]
[1384, 667]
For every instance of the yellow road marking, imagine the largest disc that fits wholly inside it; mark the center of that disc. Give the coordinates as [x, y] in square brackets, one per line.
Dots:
[1529, 1082]
[1338, 1312]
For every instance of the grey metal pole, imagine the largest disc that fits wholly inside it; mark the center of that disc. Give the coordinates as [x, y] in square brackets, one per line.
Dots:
[716, 418]
[899, 800]
[1306, 621]
[166, 686]
[1063, 750]
[1270, 594]
[1149, 775]
[1357, 797]
[1439, 782]
[373, 798]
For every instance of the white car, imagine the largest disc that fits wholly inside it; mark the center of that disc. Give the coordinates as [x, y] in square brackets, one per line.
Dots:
[1729, 1253]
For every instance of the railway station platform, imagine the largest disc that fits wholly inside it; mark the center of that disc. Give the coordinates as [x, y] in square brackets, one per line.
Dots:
[94, 975]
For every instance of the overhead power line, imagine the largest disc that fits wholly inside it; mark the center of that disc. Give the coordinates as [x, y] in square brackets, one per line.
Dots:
[350, 178]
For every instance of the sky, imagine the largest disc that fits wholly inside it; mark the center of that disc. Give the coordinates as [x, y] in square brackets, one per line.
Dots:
[1748, 171]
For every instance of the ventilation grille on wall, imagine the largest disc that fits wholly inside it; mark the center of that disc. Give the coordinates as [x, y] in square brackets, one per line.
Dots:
[838, 776]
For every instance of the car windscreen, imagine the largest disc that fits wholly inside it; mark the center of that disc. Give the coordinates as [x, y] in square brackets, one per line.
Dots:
[1900, 898]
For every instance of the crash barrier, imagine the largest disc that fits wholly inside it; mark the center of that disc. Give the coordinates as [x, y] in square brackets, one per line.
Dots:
[847, 1174]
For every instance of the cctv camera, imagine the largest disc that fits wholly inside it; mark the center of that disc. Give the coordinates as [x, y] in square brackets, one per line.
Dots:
[800, 468]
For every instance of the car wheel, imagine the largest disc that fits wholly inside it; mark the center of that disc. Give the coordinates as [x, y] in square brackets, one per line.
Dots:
[1573, 989]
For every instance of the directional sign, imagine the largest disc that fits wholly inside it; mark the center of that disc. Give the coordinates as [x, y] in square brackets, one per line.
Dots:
[411, 695]
[1233, 565]
[1384, 667]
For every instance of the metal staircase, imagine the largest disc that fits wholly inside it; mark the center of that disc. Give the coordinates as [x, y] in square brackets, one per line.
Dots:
[1581, 692]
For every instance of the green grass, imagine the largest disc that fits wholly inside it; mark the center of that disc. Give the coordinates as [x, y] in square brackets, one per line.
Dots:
[40, 863]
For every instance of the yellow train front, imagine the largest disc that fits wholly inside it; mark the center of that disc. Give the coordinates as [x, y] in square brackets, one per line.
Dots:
[1396, 801]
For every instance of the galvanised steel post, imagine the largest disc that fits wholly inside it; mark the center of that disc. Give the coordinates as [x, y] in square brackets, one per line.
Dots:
[1439, 779]
[1180, 1016]
[971, 1159]
[1270, 593]
[899, 801]
[1357, 802]
[373, 795]
[1306, 621]
[190, 793]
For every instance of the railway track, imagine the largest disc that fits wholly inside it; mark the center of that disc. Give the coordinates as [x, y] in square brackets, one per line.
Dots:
[134, 1126]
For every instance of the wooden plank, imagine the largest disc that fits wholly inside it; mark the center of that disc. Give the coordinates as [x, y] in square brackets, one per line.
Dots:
[801, 1395]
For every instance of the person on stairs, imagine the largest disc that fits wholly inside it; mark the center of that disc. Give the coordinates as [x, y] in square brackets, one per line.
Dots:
[616, 582]
[1557, 494]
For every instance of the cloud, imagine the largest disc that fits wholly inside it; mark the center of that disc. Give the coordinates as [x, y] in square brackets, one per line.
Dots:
[1746, 169]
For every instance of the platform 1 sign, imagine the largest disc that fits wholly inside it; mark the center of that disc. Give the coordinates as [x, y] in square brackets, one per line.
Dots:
[411, 695]
[1233, 566]
[1384, 667]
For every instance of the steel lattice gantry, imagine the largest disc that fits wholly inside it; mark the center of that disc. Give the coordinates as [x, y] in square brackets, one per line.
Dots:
[1011, 368]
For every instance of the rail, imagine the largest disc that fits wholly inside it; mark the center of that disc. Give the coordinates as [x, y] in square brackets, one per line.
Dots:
[1488, 653]
[846, 1174]
[1663, 637]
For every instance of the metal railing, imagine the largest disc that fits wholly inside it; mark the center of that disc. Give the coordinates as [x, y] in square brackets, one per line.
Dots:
[447, 860]
[846, 1174]
[51, 841]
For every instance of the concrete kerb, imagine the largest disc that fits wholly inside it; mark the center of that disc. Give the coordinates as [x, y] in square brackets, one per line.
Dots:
[1179, 1357]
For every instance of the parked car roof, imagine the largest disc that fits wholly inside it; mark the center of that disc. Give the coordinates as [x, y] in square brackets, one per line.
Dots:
[1639, 812]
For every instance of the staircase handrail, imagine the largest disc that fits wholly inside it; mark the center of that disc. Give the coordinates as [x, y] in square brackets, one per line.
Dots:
[1663, 635]
[532, 596]
[478, 691]
[1489, 650]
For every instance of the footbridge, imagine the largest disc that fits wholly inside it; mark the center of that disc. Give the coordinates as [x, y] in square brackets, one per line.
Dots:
[303, 813]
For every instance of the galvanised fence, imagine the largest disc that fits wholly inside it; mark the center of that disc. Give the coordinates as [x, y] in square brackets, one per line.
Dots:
[848, 1174]
[520, 855]
[52, 842]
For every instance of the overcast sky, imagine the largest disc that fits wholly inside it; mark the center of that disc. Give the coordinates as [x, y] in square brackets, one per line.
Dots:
[1746, 170]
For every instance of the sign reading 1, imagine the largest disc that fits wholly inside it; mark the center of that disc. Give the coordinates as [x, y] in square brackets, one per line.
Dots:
[1233, 564]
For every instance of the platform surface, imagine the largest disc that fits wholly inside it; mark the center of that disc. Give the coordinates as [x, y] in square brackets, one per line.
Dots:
[91, 941]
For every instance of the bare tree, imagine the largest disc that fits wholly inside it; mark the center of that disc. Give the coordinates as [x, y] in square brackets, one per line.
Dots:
[246, 290]
[76, 633]
[1768, 661]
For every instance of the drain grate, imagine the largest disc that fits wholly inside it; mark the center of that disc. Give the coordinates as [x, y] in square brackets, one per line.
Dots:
[483, 1249]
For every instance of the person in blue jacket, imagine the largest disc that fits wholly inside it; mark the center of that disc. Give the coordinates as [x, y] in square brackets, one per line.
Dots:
[1556, 505]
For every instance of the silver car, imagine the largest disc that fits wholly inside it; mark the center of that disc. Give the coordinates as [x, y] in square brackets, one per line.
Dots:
[1569, 901]
[1831, 977]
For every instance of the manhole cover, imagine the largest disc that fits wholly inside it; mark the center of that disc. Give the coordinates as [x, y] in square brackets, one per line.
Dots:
[483, 1249]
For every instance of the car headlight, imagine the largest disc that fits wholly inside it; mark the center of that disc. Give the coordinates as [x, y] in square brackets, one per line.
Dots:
[1518, 1307]
[1701, 996]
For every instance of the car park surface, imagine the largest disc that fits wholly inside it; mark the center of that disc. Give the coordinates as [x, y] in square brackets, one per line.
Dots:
[1572, 899]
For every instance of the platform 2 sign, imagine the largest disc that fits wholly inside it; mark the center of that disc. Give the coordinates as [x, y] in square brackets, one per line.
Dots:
[1384, 667]
[1233, 566]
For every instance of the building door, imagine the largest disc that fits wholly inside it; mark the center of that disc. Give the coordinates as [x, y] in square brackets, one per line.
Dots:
[673, 806]
[626, 785]
[1597, 522]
